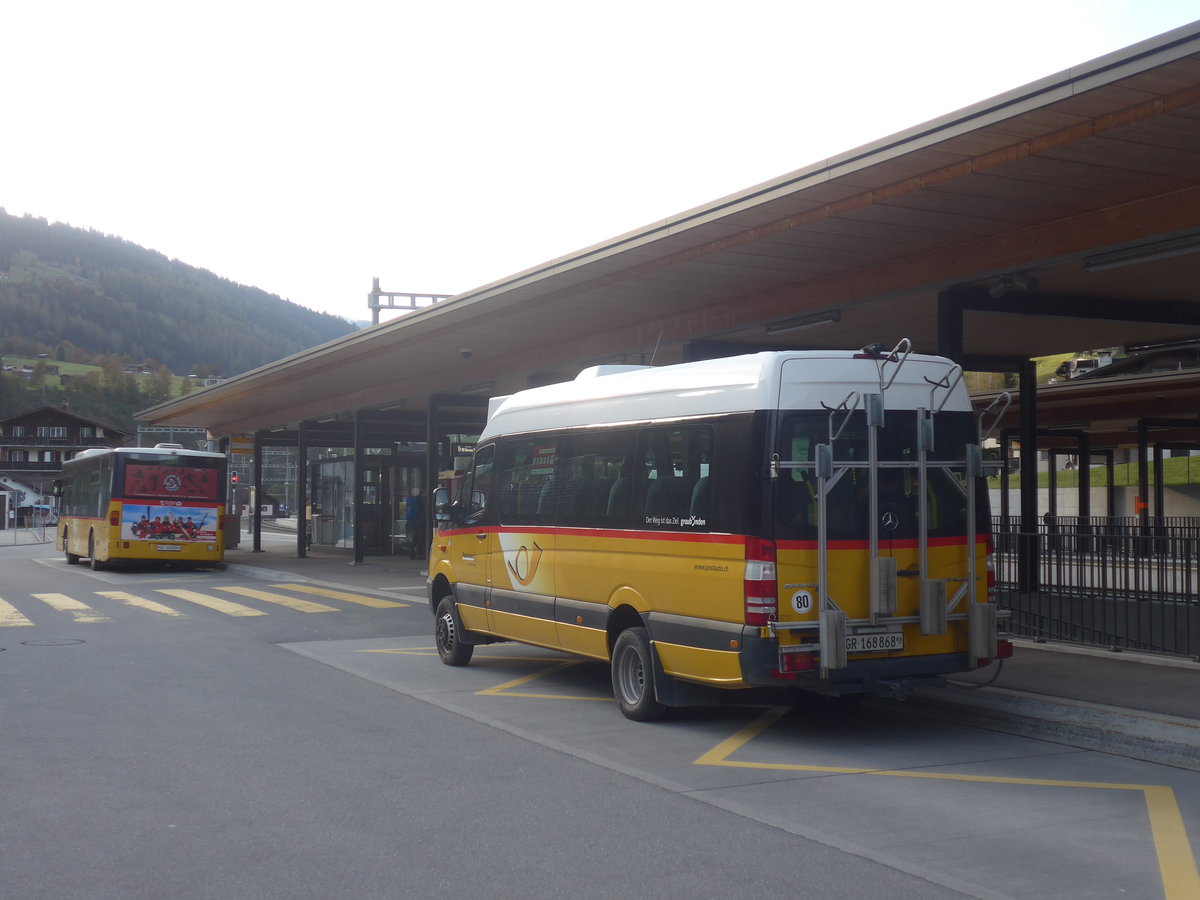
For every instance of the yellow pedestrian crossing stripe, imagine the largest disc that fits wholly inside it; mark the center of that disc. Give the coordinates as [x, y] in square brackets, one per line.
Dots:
[142, 603]
[290, 602]
[11, 617]
[84, 613]
[342, 595]
[222, 606]
[81, 612]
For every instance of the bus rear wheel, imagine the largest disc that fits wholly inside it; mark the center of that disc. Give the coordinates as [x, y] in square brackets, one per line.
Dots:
[448, 633]
[633, 676]
[72, 559]
[95, 563]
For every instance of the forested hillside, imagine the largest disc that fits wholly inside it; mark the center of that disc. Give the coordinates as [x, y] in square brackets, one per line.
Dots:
[78, 295]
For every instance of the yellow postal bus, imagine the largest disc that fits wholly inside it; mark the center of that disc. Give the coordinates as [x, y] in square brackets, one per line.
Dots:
[140, 503]
[806, 518]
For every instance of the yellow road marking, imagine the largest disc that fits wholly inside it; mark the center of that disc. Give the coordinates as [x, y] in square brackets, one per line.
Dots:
[341, 595]
[216, 603]
[11, 617]
[1176, 862]
[142, 603]
[80, 612]
[507, 687]
[291, 602]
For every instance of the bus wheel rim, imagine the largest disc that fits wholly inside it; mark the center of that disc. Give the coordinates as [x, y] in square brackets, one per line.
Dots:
[631, 676]
[445, 632]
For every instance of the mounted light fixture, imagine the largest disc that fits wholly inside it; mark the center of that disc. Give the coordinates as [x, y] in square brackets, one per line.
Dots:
[1013, 283]
[1132, 256]
[829, 317]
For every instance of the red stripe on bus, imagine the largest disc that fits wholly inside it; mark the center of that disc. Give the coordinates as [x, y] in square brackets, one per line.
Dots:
[906, 544]
[705, 538]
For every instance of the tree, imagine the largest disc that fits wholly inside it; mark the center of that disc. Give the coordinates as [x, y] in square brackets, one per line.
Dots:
[160, 386]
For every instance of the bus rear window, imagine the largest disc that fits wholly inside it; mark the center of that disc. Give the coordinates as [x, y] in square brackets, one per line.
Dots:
[146, 480]
[899, 488]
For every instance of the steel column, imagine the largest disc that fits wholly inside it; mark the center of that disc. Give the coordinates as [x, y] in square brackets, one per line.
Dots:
[302, 490]
[1027, 543]
[256, 493]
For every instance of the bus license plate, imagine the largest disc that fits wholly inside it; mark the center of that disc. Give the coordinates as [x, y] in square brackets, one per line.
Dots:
[882, 642]
[170, 548]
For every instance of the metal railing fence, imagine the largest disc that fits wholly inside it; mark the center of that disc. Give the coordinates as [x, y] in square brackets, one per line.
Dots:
[1115, 582]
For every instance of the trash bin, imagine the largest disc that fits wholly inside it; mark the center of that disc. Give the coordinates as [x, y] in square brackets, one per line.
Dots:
[233, 529]
[323, 527]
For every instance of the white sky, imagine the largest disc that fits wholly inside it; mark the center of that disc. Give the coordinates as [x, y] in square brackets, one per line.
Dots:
[305, 148]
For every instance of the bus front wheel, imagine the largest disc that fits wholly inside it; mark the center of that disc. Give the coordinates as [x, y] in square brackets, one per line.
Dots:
[633, 676]
[448, 634]
[72, 559]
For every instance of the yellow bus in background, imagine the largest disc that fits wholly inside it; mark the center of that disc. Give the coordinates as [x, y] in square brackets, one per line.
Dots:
[815, 519]
[140, 503]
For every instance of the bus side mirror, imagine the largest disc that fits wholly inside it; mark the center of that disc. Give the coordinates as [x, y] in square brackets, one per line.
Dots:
[56, 489]
[441, 505]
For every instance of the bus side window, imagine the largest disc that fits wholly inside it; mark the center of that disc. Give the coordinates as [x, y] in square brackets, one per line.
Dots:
[674, 462]
[472, 501]
[591, 476]
[526, 480]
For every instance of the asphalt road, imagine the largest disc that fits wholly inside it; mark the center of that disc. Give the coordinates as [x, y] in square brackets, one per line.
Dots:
[159, 742]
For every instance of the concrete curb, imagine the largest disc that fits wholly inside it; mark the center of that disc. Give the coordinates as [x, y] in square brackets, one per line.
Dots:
[1092, 726]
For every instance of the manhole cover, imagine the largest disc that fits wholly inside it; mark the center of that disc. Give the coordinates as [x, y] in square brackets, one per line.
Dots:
[59, 643]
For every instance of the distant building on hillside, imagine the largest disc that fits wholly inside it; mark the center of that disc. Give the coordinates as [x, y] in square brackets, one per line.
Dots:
[35, 444]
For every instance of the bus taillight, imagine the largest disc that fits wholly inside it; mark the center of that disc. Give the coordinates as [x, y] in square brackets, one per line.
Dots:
[759, 582]
[114, 518]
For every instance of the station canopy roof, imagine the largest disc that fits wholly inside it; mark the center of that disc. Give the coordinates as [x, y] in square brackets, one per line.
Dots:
[1061, 216]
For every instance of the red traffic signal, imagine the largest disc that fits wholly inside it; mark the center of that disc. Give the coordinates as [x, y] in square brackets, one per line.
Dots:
[233, 477]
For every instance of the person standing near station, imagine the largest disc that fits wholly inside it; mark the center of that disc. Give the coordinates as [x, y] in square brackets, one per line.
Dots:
[414, 525]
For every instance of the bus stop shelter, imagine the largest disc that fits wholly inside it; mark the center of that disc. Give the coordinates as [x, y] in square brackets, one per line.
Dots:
[1061, 216]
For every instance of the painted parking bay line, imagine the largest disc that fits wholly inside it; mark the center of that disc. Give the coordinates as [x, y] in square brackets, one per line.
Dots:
[81, 612]
[1176, 862]
[11, 617]
[508, 688]
[295, 603]
[360, 599]
[142, 603]
[227, 607]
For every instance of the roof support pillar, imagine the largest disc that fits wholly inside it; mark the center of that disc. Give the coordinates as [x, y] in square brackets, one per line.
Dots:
[1028, 556]
[359, 455]
[1083, 469]
[433, 436]
[302, 520]
[256, 492]
[1143, 498]
[950, 326]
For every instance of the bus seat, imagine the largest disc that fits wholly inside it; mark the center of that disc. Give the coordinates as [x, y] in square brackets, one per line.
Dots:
[546, 498]
[668, 497]
[618, 498]
[702, 498]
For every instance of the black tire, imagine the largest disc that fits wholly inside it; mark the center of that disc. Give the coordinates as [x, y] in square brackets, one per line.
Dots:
[633, 676]
[95, 563]
[72, 559]
[448, 633]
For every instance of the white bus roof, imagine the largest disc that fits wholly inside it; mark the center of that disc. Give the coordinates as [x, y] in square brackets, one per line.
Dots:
[160, 450]
[794, 379]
